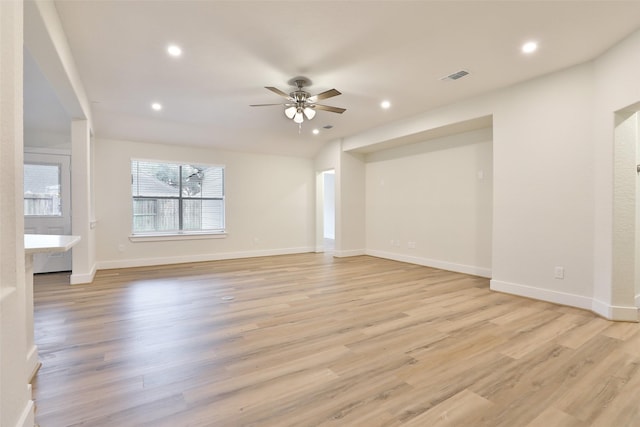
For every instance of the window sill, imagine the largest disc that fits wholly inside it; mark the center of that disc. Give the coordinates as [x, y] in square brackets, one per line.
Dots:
[176, 236]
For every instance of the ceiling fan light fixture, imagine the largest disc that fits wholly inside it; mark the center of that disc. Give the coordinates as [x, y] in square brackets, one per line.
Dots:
[309, 113]
[290, 112]
[301, 104]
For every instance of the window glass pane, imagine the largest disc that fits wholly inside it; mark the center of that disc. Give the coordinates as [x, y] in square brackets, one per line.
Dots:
[155, 215]
[202, 181]
[153, 179]
[213, 215]
[42, 190]
[213, 182]
[202, 214]
[192, 180]
[192, 215]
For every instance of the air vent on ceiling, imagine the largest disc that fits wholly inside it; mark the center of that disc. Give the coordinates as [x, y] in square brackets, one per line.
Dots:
[455, 76]
[327, 126]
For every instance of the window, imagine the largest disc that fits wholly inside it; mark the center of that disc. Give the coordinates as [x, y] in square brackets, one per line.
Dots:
[170, 198]
[42, 190]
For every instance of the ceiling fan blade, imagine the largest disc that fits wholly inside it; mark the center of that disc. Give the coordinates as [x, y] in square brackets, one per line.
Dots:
[278, 92]
[263, 105]
[329, 108]
[324, 95]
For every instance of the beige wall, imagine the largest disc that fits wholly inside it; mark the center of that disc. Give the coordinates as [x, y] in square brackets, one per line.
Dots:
[543, 187]
[553, 187]
[16, 406]
[270, 204]
[430, 203]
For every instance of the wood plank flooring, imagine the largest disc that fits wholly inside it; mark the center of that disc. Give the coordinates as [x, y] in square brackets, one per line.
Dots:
[309, 340]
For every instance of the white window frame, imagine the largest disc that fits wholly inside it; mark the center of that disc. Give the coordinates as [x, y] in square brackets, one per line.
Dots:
[146, 236]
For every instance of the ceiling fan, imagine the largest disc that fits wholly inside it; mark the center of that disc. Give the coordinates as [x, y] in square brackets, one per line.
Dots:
[300, 103]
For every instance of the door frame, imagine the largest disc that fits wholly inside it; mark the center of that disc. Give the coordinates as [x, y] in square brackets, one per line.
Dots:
[50, 262]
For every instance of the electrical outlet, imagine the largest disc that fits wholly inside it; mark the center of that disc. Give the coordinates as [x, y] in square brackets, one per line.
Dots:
[411, 245]
[558, 272]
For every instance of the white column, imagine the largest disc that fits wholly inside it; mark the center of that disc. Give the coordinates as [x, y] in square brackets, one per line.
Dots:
[350, 205]
[622, 305]
[83, 265]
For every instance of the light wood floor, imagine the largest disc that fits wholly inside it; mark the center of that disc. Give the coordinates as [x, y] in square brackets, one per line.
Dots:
[309, 340]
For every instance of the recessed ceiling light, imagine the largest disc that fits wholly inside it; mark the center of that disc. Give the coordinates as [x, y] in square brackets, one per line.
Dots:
[156, 106]
[315, 131]
[529, 47]
[174, 50]
[385, 104]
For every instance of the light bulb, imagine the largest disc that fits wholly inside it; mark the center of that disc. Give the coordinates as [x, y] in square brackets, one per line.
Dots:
[290, 112]
[309, 113]
[298, 118]
[174, 50]
[529, 47]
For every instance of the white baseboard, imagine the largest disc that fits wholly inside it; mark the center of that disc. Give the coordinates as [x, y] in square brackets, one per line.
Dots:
[77, 279]
[33, 363]
[348, 253]
[615, 312]
[146, 262]
[28, 417]
[618, 313]
[556, 297]
[442, 265]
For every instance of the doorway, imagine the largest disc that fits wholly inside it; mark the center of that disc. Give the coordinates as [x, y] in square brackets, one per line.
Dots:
[47, 205]
[328, 186]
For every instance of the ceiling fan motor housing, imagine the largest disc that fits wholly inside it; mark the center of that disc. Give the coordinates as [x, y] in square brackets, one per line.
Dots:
[300, 96]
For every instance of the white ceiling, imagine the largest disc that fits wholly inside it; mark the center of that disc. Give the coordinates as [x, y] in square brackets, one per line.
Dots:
[368, 50]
